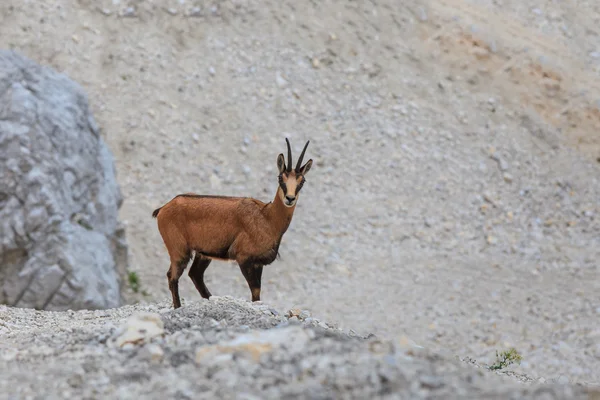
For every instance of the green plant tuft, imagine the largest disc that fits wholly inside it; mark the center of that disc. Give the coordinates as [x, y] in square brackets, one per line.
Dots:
[134, 281]
[506, 358]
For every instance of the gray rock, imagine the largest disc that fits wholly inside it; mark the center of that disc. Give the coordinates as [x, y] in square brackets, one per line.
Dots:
[61, 244]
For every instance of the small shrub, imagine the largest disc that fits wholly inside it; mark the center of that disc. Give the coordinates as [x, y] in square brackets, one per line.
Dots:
[506, 358]
[134, 281]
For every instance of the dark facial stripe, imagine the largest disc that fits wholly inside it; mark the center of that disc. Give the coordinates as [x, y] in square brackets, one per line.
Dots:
[300, 185]
[282, 184]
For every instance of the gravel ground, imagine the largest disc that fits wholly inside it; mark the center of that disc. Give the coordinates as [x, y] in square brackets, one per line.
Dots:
[226, 348]
[455, 194]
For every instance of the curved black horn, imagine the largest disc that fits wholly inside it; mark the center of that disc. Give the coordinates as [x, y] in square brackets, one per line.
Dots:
[289, 166]
[301, 157]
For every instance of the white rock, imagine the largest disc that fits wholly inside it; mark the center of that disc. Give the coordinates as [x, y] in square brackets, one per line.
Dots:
[138, 329]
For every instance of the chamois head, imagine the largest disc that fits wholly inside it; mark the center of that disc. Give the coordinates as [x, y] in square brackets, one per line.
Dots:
[291, 180]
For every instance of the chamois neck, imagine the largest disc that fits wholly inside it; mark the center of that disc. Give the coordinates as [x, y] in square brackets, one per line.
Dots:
[279, 214]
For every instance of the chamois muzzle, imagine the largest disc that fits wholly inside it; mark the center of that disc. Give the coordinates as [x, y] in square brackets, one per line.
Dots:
[290, 200]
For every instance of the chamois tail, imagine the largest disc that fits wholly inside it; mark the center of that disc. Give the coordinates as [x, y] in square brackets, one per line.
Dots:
[155, 212]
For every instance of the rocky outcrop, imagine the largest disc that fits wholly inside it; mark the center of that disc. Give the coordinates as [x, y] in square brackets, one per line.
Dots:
[232, 349]
[61, 244]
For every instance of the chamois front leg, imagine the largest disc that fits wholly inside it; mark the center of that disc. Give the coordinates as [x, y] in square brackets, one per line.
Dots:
[253, 274]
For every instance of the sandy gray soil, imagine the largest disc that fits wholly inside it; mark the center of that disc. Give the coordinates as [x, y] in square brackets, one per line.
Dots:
[455, 194]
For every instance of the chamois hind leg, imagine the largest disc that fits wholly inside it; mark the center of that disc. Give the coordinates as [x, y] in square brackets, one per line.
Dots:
[253, 274]
[173, 275]
[197, 274]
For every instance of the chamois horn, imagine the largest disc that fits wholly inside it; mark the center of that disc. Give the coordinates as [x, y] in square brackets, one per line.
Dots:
[299, 164]
[289, 166]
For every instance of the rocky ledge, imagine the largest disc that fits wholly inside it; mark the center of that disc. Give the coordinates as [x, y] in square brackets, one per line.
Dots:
[228, 348]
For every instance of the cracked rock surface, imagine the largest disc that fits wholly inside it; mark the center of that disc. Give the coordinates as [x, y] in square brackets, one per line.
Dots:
[61, 244]
[231, 349]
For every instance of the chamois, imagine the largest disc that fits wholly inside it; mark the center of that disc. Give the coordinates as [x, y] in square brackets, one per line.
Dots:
[229, 228]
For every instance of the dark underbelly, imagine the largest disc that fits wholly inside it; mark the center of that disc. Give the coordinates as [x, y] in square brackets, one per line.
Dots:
[264, 258]
[221, 254]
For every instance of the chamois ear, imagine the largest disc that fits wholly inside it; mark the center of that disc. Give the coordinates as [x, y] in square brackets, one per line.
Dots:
[280, 163]
[306, 167]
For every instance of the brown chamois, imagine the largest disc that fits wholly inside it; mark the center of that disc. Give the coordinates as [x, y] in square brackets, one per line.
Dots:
[229, 228]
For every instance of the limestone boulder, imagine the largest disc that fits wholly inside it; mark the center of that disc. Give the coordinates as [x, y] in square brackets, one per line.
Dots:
[61, 243]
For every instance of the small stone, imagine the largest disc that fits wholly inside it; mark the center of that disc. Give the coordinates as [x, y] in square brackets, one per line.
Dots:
[315, 62]
[196, 137]
[304, 314]
[488, 197]
[502, 163]
[281, 81]
[128, 12]
[172, 11]
[431, 382]
[212, 71]
[195, 12]
[507, 177]
[293, 312]
[491, 239]
[480, 52]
